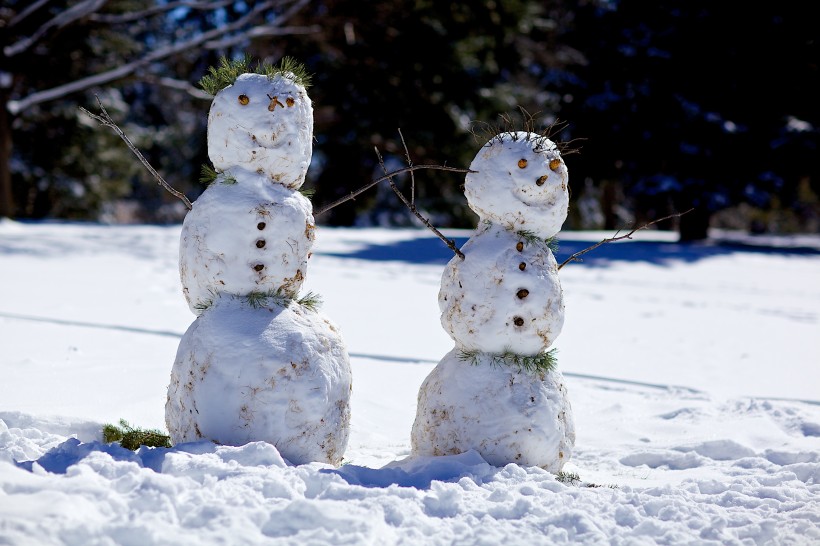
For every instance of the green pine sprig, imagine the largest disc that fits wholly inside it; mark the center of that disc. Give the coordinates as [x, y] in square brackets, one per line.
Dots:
[227, 71]
[265, 299]
[532, 239]
[542, 362]
[310, 301]
[132, 438]
[288, 67]
[572, 478]
[277, 297]
[208, 175]
[225, 74]
[308, 192]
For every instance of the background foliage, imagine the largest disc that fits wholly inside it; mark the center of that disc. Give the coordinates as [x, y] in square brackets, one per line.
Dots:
[671, 105]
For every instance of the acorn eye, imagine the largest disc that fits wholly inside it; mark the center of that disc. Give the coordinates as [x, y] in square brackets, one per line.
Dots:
[243, 100]
[555, 163]
[290, 101]
[522, 163]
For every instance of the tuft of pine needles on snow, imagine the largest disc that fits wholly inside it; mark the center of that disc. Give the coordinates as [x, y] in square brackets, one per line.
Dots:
[542, 362]
[226, 73]
[132, 438]
[572, 478]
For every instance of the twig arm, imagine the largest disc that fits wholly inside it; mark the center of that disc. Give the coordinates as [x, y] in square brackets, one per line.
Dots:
[575, 257]
[356, 193]
[410, 205]
[105, 119]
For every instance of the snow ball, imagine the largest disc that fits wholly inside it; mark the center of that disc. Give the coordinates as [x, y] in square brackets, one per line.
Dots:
[264, 125]
[278, 374]
[506, 415]
[244, 235]
[520, 182]
[504, 295]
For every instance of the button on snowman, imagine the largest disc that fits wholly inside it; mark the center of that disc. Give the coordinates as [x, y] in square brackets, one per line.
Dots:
[257, 364]
[497, 391]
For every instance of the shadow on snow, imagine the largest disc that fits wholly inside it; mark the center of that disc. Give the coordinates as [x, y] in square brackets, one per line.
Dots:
[416, 472]
[431, 250]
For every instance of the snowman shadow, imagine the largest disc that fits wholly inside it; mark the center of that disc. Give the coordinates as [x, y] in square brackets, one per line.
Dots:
[420, 472]
[419, 250]
[431, 251]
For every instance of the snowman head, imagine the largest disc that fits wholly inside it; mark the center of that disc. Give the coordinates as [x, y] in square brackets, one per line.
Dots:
[520, 182]
[263, 123]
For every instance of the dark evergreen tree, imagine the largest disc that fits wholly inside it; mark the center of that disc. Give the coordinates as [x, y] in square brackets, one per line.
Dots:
[697, 104]
[141, 59]
[429, 68]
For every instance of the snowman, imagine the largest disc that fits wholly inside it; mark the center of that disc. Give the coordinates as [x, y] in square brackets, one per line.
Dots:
[497, 391]
[257, 364]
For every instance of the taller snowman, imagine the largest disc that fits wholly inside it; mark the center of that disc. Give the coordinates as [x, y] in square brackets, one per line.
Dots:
[257, 363]
[498, 391]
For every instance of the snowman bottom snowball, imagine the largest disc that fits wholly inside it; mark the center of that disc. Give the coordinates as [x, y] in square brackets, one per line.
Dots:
[279, 374]
[508, 416]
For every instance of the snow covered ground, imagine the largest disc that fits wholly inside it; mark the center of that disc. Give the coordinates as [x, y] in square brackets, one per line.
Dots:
[694, 374]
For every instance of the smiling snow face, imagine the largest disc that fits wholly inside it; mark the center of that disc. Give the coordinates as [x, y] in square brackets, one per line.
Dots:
[264, 125]
[520, 183]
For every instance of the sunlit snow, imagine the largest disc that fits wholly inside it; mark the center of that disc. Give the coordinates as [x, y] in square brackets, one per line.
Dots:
[692, 371]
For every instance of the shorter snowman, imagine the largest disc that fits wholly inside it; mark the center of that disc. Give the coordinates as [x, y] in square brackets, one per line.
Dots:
[258, 363]
[498, 391]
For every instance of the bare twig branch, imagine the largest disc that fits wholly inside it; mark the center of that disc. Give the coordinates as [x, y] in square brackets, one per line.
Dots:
[106, 120]
[409, 164]
[66, 17]
[260, 31]
[179, 85]
[170, 50]
[117, 18]
[412, 206]
[352, 195]
[26, 12]
[617, 237]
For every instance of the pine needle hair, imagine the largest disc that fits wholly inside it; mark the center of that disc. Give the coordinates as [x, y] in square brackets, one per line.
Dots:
[227, 72]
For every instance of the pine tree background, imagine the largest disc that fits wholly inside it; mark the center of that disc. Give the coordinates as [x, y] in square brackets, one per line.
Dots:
[673, 104]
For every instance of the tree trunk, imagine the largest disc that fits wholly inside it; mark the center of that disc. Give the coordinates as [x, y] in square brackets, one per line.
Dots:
[7, 209]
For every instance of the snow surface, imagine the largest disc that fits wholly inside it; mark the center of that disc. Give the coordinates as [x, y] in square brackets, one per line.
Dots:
[693, 373]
